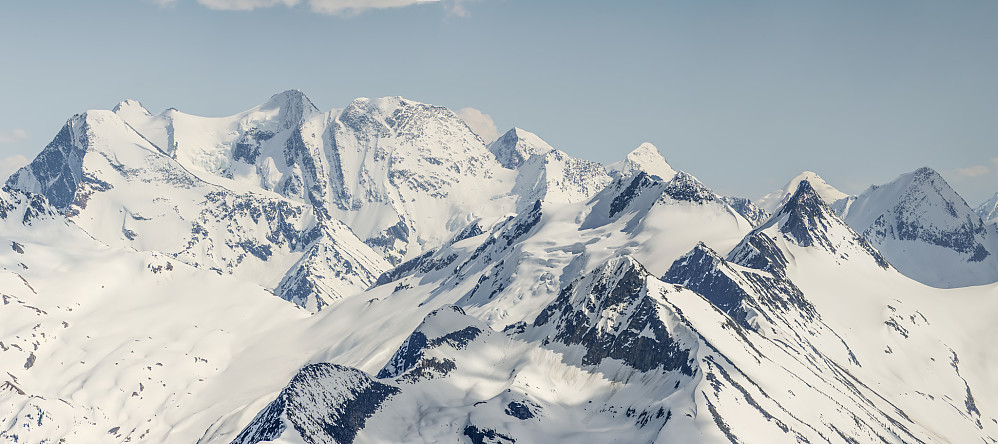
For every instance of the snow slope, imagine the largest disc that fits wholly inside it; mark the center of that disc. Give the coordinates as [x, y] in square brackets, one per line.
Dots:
[106, 344]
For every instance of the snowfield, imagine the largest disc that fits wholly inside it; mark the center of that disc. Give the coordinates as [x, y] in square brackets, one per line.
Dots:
[378, 274]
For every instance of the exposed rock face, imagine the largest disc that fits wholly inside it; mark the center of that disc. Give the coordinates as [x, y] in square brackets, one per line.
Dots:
[589, 311]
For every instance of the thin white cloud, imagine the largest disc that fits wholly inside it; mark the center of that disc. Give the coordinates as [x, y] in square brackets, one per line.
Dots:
[350, 7]
[244, 5]
[480, 123]
[329, 7]
[456, 8]
[975, 183]
[10, 164]
[973, 171]
[14, 135]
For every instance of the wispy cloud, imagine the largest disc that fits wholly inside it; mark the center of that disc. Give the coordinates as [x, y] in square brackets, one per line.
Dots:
[973, 171]
[245, 5]
[975, 182]
[10, 164]
[350, 7]
[481, 123]
[329, 7]
[14, 135]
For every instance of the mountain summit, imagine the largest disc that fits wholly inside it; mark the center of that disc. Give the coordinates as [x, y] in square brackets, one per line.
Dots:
[647, 158]
[807, 221]
[516, 146]
[828, 193]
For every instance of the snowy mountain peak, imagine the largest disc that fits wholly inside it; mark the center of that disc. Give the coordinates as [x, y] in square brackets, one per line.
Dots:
[57, 172]
[927, 230]
[445, 326]
[804, 214]
[385, 106]
[805, 194]
[685, 187]
[807, 221]
[915, 193]
[700, 254]
[828, 193]
[131, 107]
[617, 311]
[647, 158]
[554, 176]
[740, 293]
[516, 146]
[702, 249]
[328, 401]
[989, 210]
[293, 107]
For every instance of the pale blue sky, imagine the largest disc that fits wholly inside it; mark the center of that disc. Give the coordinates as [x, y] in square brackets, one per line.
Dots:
[742, 94]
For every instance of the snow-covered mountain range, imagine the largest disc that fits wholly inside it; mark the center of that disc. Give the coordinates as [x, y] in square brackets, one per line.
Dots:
[432, 288]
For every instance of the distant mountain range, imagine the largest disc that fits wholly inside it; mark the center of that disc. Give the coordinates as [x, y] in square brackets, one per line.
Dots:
[434, 288]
